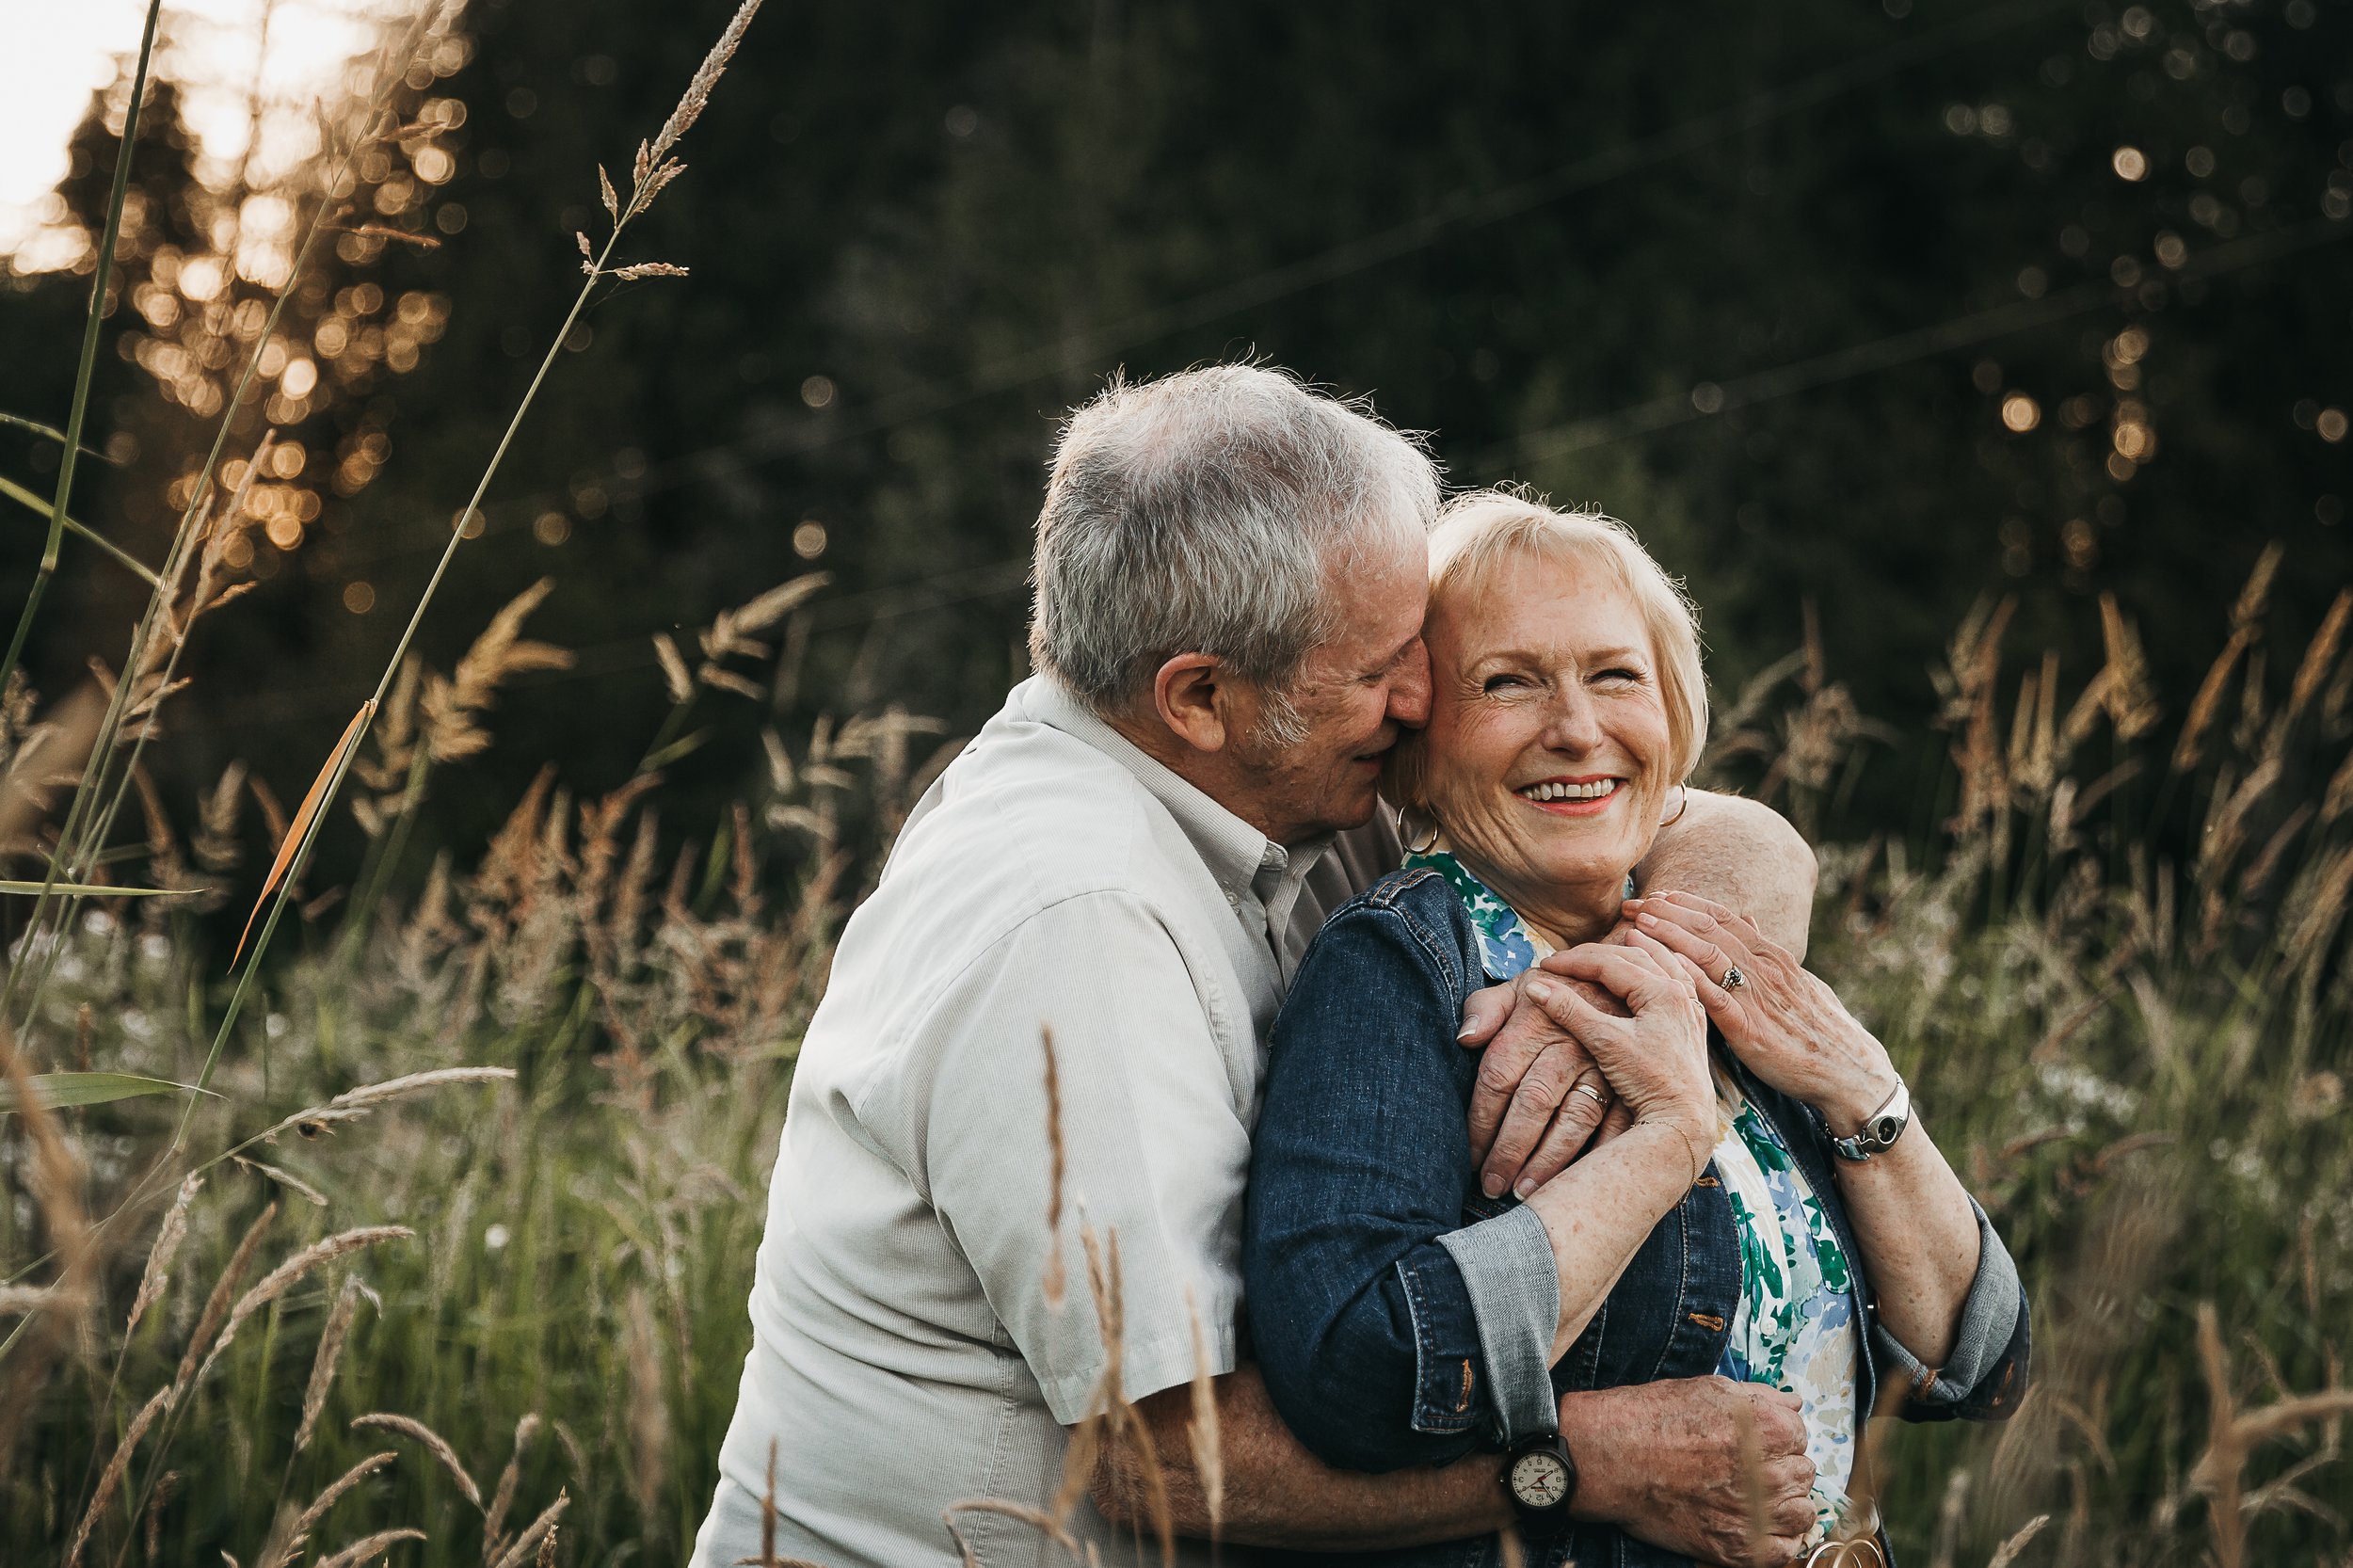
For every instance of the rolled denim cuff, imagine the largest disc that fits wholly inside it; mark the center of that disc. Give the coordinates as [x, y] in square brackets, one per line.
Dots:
[1514, 1288]
[1982, 1338]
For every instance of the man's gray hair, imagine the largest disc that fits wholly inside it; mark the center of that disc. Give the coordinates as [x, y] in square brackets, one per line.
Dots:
[1209, 512]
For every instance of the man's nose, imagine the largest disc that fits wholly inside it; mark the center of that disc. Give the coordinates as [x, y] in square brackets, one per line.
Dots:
[1409, 694]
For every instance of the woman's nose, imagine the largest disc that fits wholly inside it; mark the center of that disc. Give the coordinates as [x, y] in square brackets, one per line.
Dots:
[1573, 725]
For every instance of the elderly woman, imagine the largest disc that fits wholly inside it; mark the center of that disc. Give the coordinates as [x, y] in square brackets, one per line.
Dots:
[1763, 1203]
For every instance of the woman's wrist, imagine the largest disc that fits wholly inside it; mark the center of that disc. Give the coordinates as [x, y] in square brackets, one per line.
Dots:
[1692, 1131]
[1860, 1093]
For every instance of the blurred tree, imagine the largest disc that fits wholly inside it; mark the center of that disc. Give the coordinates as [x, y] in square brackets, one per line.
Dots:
[1885, 310]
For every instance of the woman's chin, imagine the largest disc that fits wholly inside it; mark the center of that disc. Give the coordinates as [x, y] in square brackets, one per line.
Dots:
[1599, 861]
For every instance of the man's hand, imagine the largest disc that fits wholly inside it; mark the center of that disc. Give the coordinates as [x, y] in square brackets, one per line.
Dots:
[1669, 1463]
[1529, 1115]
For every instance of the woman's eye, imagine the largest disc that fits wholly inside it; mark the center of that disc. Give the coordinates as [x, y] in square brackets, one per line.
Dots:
[1501, 683]
[1619, 673]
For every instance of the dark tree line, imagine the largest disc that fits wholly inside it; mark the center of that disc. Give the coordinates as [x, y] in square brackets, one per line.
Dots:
[1881, 313]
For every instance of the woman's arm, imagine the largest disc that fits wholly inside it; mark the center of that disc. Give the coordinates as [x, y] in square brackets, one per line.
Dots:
[1389, 1332]
[1365, 1326]
[1599, 1210]
[1917, 1229]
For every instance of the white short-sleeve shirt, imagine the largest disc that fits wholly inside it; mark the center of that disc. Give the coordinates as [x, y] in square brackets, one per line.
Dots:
[906, 1357]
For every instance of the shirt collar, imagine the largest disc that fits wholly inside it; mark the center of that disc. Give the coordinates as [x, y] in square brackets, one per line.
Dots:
[1245, 862]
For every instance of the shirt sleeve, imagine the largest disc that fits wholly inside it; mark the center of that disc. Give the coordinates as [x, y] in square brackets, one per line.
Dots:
[1389, 1332]
[1985, 1376]
[1150, 1138]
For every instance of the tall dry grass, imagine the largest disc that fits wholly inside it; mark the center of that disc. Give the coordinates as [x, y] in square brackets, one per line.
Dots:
[474, 1185]
[2149, 1097]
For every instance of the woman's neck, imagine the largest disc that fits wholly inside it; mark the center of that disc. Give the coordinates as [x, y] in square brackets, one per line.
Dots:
[1563, 914]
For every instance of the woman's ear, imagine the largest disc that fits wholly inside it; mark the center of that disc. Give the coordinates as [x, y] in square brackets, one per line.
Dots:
[1190, 695]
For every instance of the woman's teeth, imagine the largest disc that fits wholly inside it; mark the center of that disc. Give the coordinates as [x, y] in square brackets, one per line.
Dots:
[1594, 791]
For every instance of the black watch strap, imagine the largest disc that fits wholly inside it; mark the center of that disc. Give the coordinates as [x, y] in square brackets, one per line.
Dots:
[1540, 1478]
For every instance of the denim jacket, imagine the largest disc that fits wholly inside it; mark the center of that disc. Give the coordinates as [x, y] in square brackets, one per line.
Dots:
[1375, 1270]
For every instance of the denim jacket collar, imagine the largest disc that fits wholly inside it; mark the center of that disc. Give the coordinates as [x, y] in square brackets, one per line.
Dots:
[1507, 945]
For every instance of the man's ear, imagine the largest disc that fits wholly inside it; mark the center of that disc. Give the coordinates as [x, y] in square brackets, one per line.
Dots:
[1192, 697]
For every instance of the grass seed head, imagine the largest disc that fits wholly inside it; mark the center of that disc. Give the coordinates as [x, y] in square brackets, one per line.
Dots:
[432, 1442]
[291, 1273]
[503, 1498]
[224, 1291]
[696, 97]
[538, 1531]
[287, 1543]
[368, 1548]
[330, 1351]
[157, 1276]
[111, 1477]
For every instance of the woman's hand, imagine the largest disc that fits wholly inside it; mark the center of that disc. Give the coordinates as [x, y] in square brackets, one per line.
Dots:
[1787, 1025]
[1656, 1059]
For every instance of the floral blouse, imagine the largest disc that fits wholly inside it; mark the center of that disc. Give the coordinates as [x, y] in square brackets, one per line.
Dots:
[1794, 1326]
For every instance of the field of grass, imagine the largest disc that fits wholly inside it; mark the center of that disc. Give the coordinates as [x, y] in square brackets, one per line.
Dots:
[447, 1257]
[2142, 1074]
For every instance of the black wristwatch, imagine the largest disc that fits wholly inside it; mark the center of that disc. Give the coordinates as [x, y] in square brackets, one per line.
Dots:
[1540, 1476]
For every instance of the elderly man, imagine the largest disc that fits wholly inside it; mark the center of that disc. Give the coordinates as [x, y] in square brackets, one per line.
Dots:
[1132, 854]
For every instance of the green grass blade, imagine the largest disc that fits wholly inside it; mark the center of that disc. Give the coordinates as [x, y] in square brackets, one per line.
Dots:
[88, 889]
[56, 1089]
[47, 432]
[17, 492]
[90, 817]
[100, 277]
[671, 753]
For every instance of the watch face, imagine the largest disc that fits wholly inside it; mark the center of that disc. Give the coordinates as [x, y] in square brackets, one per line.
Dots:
[1884, 1129]
[1540, 1480]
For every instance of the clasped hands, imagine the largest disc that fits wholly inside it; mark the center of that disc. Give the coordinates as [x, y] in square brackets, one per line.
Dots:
[1597, 1036]
[1583, 1046]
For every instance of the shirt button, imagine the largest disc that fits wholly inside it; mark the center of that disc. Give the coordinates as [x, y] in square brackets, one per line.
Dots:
[1234, 900]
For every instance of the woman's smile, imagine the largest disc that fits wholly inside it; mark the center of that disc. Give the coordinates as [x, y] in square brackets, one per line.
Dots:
[1587, 796]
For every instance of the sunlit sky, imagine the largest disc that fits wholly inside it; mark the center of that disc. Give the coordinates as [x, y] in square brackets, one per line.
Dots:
[54, 54]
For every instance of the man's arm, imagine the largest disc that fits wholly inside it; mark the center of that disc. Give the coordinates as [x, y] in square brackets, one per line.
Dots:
[1742, 853]
[1277, 1493]
[1525, 1125]
[1662, 1459]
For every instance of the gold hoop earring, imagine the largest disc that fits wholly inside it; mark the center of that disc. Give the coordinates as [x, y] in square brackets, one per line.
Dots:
[1418, 829]
[1685, 805]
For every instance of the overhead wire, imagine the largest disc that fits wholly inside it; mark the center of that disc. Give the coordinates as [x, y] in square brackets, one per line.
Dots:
[1462, 214]
[965, 584]
[1710, 399]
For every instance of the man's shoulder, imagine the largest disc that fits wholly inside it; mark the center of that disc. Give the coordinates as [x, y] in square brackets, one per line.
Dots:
[1029, 822]
[1033, 808]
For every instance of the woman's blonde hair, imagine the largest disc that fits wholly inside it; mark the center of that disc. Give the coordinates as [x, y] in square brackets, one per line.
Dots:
[1479, 538]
